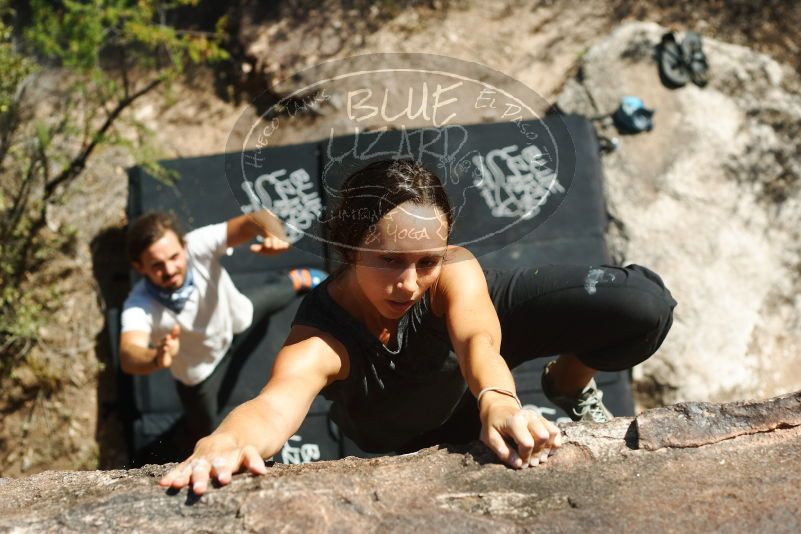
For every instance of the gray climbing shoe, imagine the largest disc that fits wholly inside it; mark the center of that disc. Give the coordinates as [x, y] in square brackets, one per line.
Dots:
[587, 406]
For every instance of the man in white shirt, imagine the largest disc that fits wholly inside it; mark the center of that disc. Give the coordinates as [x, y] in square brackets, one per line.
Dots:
[185, 313]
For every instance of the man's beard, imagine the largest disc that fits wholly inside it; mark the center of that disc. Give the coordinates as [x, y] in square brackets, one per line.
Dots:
[178, 277]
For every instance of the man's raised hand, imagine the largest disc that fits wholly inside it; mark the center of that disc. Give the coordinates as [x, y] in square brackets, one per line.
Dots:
[270, 246]
[168, 348]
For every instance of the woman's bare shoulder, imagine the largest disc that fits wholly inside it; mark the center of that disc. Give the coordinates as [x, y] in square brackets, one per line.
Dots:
[455, 254]
[458, 270]
[326, 351]
[459, 263]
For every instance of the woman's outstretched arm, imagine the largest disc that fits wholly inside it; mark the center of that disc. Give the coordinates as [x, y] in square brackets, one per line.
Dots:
[475, 332]
[259, 428]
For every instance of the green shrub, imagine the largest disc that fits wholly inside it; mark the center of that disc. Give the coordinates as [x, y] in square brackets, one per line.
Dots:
[109, 54]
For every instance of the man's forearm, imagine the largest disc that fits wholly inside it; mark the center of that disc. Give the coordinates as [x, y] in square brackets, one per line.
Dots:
[243, 228]
[267, 222]
[137, 360]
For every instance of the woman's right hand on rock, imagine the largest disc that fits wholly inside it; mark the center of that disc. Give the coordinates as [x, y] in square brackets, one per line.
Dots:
[519, 437]
[215, 456]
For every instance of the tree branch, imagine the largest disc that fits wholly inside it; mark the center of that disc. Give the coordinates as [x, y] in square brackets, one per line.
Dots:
[79, 162]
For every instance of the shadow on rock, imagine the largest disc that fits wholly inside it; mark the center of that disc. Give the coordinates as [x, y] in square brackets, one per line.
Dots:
[110, 269]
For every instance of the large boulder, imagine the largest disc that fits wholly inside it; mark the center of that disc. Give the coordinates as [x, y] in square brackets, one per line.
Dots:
[685, 468]
[710, 200]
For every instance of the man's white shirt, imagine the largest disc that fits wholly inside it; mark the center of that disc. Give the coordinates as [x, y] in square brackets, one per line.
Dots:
[214, 312]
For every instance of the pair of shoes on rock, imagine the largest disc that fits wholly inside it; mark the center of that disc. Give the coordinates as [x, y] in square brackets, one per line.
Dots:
[587, 405]
[680, 63]
[304, 279]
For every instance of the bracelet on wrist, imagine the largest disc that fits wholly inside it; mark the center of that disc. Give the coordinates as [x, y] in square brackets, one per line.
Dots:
[498, 390]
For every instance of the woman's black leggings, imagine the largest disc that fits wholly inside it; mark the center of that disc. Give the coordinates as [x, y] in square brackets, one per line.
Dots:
[611, 318]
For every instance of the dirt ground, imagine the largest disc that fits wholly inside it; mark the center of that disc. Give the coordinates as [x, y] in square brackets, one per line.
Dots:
[60, 411]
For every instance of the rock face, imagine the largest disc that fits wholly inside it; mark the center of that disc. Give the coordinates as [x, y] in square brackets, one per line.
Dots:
[711, 200]
[690, 467]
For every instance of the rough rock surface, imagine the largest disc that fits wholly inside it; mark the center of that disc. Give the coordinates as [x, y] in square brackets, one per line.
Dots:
[699, 423]
[710, 199]
[603, 479]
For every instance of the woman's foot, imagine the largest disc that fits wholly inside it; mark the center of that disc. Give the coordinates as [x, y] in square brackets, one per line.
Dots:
[304, 279]
[584, 405]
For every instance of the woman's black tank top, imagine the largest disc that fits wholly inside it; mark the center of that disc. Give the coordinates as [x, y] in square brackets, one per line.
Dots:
[392, 394]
